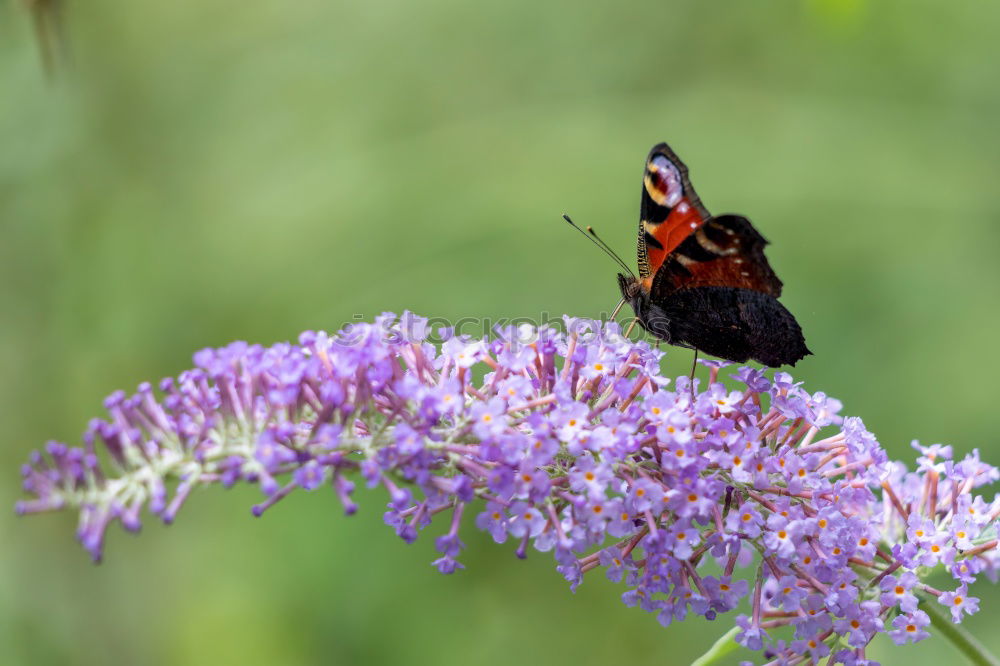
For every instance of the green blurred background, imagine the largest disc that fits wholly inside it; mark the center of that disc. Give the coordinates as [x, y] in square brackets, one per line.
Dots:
[214, 170]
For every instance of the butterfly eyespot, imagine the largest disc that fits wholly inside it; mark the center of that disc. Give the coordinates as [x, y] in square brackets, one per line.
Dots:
[663, 182]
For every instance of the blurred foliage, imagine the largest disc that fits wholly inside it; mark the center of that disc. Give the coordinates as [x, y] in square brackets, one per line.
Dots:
[211, 170]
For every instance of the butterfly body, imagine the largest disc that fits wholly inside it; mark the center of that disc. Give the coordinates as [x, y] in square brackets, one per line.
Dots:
[704, 281]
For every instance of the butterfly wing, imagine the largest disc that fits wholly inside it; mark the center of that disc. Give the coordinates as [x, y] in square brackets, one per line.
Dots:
[725, 251]
[670, 211]
[735, 324]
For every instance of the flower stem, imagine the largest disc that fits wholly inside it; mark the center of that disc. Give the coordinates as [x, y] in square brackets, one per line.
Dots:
[724, 646]
[960, 637]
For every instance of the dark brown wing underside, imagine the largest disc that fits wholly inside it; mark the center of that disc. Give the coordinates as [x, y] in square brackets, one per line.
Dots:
[735, 324]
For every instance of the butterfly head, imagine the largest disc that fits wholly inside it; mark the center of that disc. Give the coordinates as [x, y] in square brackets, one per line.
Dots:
[631, 288]
[648, 314]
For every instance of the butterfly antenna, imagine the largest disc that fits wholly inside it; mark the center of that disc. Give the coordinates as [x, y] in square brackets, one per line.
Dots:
[593, 238]
[607, 248]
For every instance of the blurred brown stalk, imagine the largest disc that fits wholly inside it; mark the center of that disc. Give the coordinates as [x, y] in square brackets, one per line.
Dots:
[47, 18]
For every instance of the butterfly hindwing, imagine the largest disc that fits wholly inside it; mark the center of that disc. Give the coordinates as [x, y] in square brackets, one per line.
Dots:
[725, 251]
[735, 324]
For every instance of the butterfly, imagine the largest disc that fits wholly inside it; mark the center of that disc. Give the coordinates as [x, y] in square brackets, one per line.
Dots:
[704, 282]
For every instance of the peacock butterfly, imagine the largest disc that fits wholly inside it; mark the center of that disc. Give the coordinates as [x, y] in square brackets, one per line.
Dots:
[704, 282]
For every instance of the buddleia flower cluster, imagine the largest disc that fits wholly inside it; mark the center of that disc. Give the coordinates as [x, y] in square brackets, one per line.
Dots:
[570, 442]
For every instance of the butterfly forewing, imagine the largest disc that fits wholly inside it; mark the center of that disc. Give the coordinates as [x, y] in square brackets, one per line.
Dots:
[671, 209]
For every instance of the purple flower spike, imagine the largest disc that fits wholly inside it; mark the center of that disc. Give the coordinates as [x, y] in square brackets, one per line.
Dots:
[696, 497]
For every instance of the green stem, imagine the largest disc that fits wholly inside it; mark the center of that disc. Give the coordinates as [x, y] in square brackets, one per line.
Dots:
[966, 643]
[722, 647]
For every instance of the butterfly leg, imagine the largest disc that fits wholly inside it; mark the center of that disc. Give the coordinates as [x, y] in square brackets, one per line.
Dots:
[628, 331]
[617, 310]
[694, 365]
